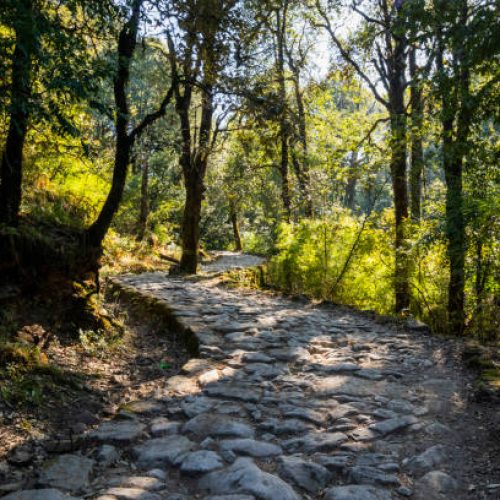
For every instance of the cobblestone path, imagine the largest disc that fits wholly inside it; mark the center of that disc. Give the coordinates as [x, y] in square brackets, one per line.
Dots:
[284, 401]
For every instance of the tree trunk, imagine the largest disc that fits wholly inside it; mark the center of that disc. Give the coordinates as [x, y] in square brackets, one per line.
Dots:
[191, 225]
[352, 180]
[455, 232]
[417, 152]
[398, 143]
[144, 208]
[233, 213]
[303, 172]
[127, 42]
[12, 159]
[283, 121]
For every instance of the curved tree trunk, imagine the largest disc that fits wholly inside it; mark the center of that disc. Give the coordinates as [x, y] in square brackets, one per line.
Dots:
[233, 213]
[11, 173]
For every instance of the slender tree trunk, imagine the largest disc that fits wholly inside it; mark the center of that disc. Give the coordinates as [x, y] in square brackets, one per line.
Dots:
[417, 151]
[284, 126]
[397, 113]
[352, 180]
[303, 172]
[144, 207]
[127, 42]
[12, 159]
[233, 213]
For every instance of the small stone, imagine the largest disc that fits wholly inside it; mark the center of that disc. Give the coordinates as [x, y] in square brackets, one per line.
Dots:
[107, 455]
[393, 424]
[161, 426]
[209, 377]
[308, 475]
[404, 491]
[337, 464]
[234, 391]
[181, 385]
[194, 366]
[209, 424]
[140, 482]
[67, 472]
[355, 492]
[251, 447]
[161, 451]
[201, 461]
[371, 475]
[118, 431]
[325, 441]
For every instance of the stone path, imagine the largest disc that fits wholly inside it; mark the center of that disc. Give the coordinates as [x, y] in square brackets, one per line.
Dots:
[284, 401]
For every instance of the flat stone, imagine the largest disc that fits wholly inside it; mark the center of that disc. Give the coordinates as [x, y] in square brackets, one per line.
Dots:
[233, 391]
[141, 482]
[107, 455]
[160, 451]
[230, 497]
[210, 424]
[209, 377]
[148, 407]
[324, 441]
[194, 366]
[200, 404]
[161, 426]
[339, 384]
[393, 424]
[67, 472]
[251, 447]
[435, 485]
[181, 385]
[256, 357]
[246, 478]
[426, 461]
[197, 462]
[119, 431]
[42, 494]
[339, 367]
[308, 475]
[132, 494]
[306, 414]
[290, 354]
[285, 426]
[356, 492]
[363, 474]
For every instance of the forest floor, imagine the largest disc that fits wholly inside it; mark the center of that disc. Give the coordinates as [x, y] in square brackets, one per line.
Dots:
[285, 399]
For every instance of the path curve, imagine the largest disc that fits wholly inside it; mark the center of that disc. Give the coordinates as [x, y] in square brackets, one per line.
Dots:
[285, 401]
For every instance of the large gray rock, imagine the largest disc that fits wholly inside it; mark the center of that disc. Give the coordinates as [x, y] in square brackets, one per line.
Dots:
[321, 441]
[67, 472]
[251, 447]
[161, 451]
[340, 384]
[435, 485]
[182, 386]
[201, 461]
[246, 478]
[213, 425]
[119, 431]
[426, 461]
[308, 475]
[43, 494]
[356, 492]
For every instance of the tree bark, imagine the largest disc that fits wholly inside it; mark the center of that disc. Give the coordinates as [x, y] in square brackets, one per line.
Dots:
[303, 167]
[233, 213]
[127, 42]
[352, 180]
[417, 151]
[11, 170]
[283, 121]
[397, 113]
